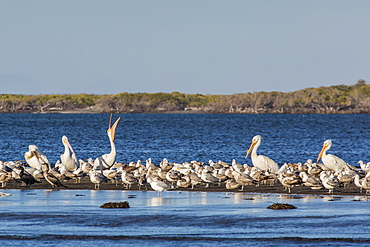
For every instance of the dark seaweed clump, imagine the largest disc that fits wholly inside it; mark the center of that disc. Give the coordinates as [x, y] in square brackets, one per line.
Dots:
[281, 206]
[115, 205]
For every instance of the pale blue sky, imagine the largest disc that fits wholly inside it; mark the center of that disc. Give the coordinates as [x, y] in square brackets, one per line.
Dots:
[190, 46]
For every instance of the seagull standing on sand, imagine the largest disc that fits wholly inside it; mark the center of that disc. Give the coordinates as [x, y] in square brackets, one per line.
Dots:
[208, 178]
[329, 181]
[158, 185]
[97, 178]
[362, 183]
[243, 179]
[127, 179]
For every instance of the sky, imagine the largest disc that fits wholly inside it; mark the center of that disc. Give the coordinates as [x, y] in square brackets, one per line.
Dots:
[187, 46]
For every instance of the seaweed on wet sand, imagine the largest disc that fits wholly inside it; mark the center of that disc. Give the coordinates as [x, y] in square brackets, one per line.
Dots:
[115, 205]
[278, 206]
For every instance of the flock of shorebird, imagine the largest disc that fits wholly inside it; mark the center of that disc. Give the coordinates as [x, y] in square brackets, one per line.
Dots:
[330, 174]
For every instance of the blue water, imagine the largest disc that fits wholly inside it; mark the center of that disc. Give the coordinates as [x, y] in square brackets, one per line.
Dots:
[186, 137]
[73, 218]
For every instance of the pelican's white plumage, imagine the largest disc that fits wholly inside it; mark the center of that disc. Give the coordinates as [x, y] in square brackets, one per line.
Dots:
[260, 161]
[331, 161]
[35, 158]
[68, 158]
[107, 160]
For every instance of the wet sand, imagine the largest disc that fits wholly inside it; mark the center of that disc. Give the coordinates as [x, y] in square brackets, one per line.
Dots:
[85, 184]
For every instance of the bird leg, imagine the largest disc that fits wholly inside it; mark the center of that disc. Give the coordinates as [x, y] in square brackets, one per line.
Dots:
[242, 188]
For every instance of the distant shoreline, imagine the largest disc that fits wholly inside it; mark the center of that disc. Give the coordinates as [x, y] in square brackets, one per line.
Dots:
[177, 112]
[339, 99]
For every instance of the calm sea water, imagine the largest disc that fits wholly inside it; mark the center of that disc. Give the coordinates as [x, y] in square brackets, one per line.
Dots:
[186, 137]
[73, 218]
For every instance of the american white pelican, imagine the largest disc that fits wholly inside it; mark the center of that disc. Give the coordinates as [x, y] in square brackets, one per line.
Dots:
[35, 158]
[50, 178]
[107, 160]
[261, 161]
[68, 158]
[330, 161]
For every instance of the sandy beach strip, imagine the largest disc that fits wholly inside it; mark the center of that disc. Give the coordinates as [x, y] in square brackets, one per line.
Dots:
[86, 184]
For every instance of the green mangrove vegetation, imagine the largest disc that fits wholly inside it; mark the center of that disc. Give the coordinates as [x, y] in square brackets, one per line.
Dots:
[322, 100]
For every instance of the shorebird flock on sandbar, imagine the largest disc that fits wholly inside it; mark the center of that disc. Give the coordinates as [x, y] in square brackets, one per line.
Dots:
[333, 172]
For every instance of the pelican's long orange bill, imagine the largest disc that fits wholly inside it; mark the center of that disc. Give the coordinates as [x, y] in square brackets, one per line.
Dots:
[250, 149]
[113, 128]
[320, 154]
[70, 147]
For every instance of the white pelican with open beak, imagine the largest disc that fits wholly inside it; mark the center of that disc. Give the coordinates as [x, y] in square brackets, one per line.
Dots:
[106, 161]
[68, 158]
[261, 161]
[35, 158]
[332, 162]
